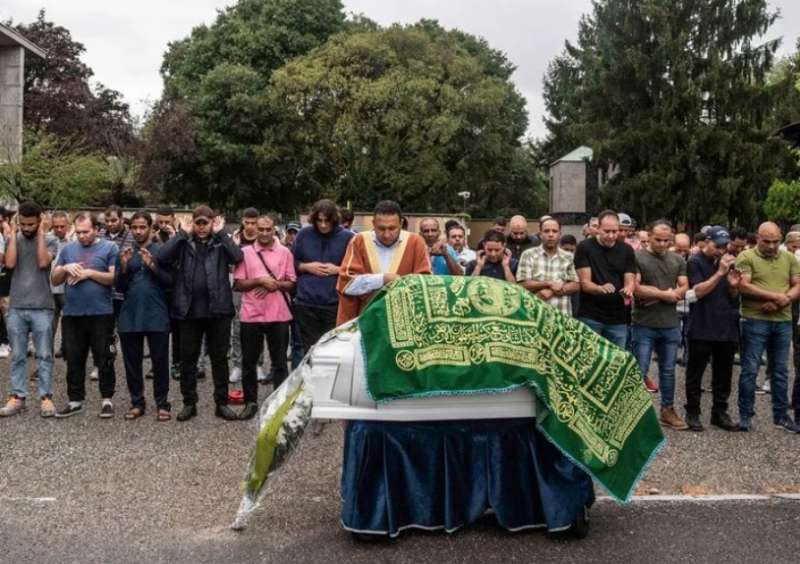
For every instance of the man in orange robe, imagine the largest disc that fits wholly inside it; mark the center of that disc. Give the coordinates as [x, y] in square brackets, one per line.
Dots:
[375, 258]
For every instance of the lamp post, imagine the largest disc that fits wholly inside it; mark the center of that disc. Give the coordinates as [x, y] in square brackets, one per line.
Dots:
[465, 195]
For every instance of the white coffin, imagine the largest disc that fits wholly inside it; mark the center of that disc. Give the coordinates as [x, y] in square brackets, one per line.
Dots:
[335, 371]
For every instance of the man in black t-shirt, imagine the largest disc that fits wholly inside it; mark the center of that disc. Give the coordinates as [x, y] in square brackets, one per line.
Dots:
[713, 327]
[607, 272]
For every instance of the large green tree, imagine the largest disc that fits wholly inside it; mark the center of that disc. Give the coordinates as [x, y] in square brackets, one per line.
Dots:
[671, 95]
[417, 114]
[201, 137]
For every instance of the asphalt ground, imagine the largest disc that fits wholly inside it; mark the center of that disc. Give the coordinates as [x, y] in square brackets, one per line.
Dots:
[90, 490]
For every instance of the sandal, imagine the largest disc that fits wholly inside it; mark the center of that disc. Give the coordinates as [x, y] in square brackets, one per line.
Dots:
[163, 415]
[134, 413]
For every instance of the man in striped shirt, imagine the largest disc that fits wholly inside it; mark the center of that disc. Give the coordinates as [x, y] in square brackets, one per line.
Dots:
[548, 271]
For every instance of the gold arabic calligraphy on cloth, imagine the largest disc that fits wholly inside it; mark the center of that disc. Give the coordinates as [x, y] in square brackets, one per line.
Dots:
[593, 388]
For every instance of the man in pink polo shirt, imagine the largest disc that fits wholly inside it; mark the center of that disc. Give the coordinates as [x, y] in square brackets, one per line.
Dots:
[266, 276]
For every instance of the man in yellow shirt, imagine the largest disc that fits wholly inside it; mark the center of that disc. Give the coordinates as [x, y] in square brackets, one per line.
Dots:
[770, 282]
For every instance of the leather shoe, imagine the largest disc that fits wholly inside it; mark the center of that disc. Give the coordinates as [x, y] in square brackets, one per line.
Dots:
[693, 421]
[723, 421]
[226, 413]
[187, 413]
[248, 412]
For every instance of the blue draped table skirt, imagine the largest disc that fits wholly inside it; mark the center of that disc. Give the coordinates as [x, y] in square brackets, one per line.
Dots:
[444, 475]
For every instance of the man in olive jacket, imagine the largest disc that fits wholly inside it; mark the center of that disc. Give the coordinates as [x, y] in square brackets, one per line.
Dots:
[202, 301]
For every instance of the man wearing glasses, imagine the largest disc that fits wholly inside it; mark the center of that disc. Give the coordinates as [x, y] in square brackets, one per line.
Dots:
[202, 300]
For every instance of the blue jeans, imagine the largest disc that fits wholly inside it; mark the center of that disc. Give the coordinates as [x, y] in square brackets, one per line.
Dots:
[776, 338]
[665, 344]
[616, 333]
[39, 323]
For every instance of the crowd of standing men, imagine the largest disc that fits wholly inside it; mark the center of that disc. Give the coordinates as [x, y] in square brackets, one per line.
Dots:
[192, 288]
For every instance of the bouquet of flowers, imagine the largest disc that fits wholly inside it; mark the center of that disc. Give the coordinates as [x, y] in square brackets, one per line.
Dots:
[282, 420]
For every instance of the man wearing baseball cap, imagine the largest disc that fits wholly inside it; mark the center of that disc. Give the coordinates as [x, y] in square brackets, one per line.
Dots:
[202, 301]
[713, 327]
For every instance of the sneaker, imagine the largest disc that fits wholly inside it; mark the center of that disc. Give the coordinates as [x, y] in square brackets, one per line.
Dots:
[149, 375]
[787, 425]
[262, 376]
[13, 406]
[95, 374]
[236, 375]
[69, 410]
[5, 351]
[745, 425]
[723, 421]
[671, 419]
[765, 387]
[107, 410]
[47, 409]
[693, 421]
[650, 384]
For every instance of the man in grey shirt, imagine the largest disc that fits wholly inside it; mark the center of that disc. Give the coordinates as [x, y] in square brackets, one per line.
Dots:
[661, 283]
[29, 251]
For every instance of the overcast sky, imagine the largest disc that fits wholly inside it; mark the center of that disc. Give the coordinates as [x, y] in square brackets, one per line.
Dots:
[125, 40]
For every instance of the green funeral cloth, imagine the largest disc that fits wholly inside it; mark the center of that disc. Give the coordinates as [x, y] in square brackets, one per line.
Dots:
[447, 335]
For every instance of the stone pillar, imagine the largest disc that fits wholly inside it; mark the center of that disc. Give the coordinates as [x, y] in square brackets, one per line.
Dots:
[12, 69]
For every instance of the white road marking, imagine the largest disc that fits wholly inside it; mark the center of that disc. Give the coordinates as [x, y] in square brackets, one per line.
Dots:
[32, 499]
[704, 498]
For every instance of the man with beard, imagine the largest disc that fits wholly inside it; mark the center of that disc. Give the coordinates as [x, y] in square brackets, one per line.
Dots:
[29, 251]
[519, 240]
[318, 253]
[548, 271]
[144, 315]
[266, 277]
[245, 236]
[202, 301]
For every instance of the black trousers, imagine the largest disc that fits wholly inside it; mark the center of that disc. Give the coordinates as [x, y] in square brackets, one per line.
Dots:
[133, 356]
[721, 356]
[217, 331]
[252, 336]
[81, 334]
[314, 322]
[175, 332]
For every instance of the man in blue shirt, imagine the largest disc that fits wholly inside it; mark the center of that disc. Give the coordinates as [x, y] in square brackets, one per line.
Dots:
[318, 253]
[494, 260]
[444, 259]
[142, 281]
[87, 266]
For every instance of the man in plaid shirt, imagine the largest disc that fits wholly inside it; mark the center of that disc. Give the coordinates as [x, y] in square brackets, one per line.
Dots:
[548, 271]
